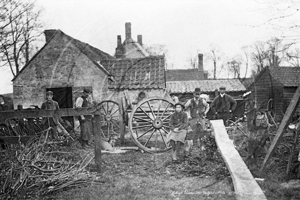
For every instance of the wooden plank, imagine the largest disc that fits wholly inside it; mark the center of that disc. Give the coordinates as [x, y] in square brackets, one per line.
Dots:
[30, 126]
[15, 139]
[245, 186]
[122, 126]
[48, 113]
[283, 125]
[97, 137]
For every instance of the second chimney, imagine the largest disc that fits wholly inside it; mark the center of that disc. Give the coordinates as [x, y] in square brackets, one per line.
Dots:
[200, 62]
[49, 34]
[128, 30]
[119, 40]
[140, 39]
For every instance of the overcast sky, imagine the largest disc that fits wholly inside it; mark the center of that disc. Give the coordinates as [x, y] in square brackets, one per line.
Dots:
[184, 27]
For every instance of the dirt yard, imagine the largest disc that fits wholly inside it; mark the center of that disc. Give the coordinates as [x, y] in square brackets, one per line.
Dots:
[130, 175]
[136, 175]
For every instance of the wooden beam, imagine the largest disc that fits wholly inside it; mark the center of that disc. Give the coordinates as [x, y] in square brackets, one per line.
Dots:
[15, 139]
[245, 186]
[48, 113]
[30, 126]
[283, 125]
[97, 137]
[121, 125]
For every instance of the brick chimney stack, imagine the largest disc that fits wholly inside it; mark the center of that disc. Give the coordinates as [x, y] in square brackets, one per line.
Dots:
[200, 62]
[49, 34]
[119, 40]
[128, 30]
[140, 39]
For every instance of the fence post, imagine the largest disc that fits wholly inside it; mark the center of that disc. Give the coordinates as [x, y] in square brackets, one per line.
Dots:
[122, 127]
[97, 136]
[30, 126]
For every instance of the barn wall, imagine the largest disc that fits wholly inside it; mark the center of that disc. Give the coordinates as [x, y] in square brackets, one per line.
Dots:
[288, 95]
[265, 88]
[59, 64]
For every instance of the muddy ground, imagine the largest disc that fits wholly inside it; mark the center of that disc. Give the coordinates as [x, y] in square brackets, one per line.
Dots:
[136, 175]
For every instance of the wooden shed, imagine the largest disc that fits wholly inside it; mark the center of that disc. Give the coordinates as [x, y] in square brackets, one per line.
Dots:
[274, 87]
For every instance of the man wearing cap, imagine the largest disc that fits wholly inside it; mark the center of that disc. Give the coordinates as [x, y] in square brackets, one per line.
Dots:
[198, 108]
[223, 105]
[85, 120]
[50, 104]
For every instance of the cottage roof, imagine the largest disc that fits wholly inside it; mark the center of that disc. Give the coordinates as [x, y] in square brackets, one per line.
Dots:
[91, 52]
[288, 76]
[137, 73]
[232, 85]
[184, 75]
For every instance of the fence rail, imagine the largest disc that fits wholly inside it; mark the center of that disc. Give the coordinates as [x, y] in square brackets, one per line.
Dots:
[31, 114]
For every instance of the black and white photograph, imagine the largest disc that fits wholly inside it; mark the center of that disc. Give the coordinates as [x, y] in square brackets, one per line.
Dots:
[149, 99]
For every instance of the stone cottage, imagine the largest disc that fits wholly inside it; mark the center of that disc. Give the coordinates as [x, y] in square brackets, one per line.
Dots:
[65, 66]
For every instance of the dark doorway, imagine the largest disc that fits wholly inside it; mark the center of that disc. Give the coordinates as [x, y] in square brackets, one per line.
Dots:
[63, 96]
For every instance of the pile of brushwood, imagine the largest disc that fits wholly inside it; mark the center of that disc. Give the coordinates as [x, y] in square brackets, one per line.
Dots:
[205, 161]
[42, 167]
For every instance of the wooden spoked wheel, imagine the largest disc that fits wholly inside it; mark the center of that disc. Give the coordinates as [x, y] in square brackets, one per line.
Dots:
[109, 118]
[149, 124]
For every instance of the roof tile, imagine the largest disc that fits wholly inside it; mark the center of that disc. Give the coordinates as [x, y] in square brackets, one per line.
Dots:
[288, 76]
[137, 73]
[205, 85]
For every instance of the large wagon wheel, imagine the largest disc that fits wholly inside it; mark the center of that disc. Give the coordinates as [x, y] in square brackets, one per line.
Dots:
[109, 118]
[149, 124]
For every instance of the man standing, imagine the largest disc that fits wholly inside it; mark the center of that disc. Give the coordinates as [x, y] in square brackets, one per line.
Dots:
[50, 104]
[223, 105]
[85, 120]
[198, 108]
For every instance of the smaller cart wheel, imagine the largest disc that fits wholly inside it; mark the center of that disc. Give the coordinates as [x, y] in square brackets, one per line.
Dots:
[109, 118]
[149, 124]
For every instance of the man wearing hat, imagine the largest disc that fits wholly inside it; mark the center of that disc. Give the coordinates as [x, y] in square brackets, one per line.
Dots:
[85, 120]
[50, 104]
[223, 105]
[198, 108]
[178, 125]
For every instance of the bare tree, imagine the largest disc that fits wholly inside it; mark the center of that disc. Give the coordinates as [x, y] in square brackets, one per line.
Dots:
[246, 56]
[19, 29]
[283, 16]
[294, 57]
[215, 54]
[192, 61]
[156, 49]
[234, 66]
[259, 56]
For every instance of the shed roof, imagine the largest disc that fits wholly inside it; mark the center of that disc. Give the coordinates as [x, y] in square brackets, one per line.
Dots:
[91, 52]
[184, 74]
[288, 76]
[137, 73]
[232, 85]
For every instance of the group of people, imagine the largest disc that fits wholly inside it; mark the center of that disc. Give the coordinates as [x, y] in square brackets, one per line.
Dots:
[195, 118]
[84, 120]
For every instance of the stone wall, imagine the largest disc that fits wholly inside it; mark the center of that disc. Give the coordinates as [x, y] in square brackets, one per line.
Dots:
[58, 64]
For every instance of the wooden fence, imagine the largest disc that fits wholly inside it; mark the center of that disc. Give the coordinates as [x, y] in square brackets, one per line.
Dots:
[31, 114]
